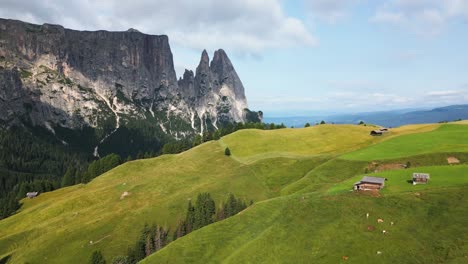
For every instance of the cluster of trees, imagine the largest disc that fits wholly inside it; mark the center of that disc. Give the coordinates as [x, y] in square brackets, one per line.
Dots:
[204, 213]
[97, 258]
[31, 161]
[151, 239]
[100, 166]
[321, 123]
[155, 237]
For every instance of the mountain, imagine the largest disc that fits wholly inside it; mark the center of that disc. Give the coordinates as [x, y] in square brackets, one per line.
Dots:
[60, 79]
[393, 118]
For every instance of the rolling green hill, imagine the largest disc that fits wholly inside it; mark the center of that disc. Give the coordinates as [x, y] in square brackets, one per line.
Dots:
[447, 138]
[299, 180]
[312, 228]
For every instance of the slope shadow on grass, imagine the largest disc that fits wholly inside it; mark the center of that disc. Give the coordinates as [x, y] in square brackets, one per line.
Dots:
[5, 260]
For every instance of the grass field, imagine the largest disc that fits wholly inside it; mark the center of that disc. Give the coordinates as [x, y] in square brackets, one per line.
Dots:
[446, 138]
[397, 180]
[429, 228]
[62, 224]
[251, 144]
[299, 180]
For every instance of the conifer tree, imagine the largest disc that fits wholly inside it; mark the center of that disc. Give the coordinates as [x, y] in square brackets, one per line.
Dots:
[69, 177]
[190, 218]
[97, 258]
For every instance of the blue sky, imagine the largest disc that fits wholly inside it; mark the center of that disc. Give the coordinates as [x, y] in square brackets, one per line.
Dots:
[300, 57]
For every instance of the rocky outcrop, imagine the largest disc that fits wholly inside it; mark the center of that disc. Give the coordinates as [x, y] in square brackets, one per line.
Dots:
[56, 76]
[215, 91]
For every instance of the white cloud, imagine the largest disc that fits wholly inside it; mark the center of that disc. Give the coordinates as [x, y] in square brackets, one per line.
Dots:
[357, 100]
[446, 97]
[243, 26]
[425, 17]
[444, 93]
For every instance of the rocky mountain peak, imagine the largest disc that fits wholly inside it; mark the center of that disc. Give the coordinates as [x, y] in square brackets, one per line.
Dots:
[73, 79]
[204, 64]
[220, 59]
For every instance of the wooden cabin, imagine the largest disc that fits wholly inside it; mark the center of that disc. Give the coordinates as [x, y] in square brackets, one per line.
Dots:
[421, 178]
[376, 133]
[369, 183]
[31, 195]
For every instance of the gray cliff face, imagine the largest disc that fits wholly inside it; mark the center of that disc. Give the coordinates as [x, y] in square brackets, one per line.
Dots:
[55, 76]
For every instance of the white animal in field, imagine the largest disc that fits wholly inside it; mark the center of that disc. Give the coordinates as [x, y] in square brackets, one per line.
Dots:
[384, 232]
[391, 223]
[380, 220]
[367, 215]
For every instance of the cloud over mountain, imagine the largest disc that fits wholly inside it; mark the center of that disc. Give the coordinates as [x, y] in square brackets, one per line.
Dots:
[243, 26]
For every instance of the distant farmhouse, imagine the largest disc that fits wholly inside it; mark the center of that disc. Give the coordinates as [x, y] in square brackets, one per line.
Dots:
[369, 183]
[31, 195]
[421, 178]
[379, 132]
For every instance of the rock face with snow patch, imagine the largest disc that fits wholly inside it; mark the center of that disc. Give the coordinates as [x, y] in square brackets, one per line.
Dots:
[52, 76]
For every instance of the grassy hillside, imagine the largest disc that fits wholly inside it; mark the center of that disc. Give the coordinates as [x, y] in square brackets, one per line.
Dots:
[447, 138]
[251, 144]
[428, 228]
[61, 225]
[303, 209]
[320, 219]
[442, 177]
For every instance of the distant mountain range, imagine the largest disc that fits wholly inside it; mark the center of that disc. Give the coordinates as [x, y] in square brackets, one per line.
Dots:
[393, 118]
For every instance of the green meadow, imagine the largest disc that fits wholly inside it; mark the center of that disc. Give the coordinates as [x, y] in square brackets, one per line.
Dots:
[441, 177]
[447, 138]
[312, 228]
[299, 180]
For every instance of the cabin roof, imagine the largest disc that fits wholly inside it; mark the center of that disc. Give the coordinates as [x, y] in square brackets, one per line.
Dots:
[421, 175]
[370, 179]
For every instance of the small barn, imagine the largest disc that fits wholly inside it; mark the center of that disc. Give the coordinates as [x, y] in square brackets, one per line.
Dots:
[369, 183]
[376, 133]
[31, 195]
[421, 178]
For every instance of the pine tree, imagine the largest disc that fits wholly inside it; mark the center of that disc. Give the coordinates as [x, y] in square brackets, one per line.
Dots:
[180, 231]
[97, 258]
[190, 218]
[149, 245]
[227, 152]
[121, 260]
[160, 238]
[69, 177]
